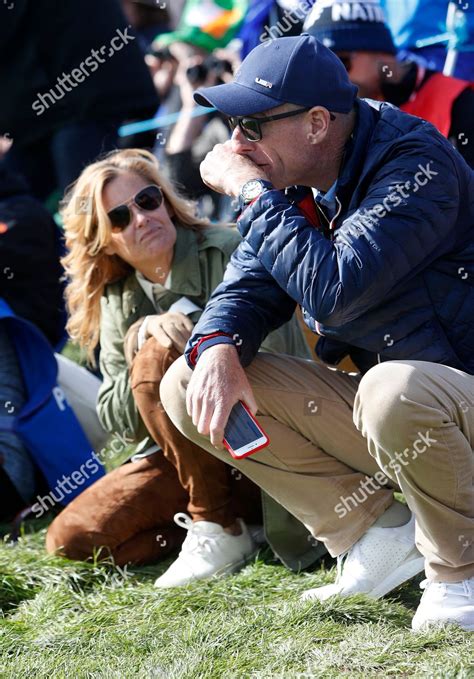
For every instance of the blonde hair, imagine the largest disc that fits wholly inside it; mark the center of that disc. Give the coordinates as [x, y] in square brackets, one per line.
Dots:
[88, 231]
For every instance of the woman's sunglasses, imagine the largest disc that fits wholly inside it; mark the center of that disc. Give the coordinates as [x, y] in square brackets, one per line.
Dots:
[251, 127]
[148, 199]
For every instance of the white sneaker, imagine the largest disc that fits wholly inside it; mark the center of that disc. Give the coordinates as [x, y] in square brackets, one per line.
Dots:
[380, 561]
[207, 551]
[446, 602]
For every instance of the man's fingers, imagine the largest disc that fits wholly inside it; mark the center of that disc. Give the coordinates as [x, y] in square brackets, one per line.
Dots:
[196, 407]
[217, 425]
[189, 399]
[249, 400]
[205, 419]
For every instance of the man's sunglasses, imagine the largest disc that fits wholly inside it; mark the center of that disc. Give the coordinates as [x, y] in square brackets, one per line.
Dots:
[251, 127]
[148, 199]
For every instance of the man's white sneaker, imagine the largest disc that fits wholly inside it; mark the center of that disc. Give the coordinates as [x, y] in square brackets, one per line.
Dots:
[207, 551]
[446, 602]
[380, 561]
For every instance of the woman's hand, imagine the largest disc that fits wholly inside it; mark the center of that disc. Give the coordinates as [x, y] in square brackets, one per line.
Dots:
[170, 329]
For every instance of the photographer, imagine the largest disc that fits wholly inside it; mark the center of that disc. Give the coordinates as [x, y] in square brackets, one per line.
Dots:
[193, 137]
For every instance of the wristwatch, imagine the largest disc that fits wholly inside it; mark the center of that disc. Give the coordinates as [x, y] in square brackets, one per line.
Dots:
[252, 189]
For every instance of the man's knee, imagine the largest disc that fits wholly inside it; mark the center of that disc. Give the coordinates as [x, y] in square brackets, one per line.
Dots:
[173, 393]
[390, 402]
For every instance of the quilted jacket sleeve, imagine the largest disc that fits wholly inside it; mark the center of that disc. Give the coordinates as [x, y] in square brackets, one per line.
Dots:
[247, 306]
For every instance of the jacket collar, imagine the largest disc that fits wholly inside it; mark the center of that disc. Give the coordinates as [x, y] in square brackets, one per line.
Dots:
[356, 151]
[355, 154]
[185, 275]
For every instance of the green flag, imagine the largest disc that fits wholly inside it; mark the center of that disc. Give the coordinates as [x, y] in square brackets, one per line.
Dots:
[208, 23]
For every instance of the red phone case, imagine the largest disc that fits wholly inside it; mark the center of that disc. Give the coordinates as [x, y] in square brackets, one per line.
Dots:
[255, 450]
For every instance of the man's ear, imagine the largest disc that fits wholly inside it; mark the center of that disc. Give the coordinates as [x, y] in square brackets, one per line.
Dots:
[319, 123]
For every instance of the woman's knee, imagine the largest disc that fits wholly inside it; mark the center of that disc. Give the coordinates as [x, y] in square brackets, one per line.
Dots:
[74, 539]
[151, 363]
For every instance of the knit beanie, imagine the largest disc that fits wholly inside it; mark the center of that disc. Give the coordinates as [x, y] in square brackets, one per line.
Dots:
[350, 26]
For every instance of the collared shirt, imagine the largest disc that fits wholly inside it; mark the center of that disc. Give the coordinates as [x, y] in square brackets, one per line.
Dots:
[183, 280]
[327, 200]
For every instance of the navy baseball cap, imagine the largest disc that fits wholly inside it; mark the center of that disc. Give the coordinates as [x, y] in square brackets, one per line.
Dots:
[295, 70]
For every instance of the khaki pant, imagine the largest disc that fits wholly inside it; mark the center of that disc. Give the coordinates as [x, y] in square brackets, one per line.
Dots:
[418, 419]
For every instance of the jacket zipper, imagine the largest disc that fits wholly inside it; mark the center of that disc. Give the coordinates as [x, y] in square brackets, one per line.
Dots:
[332, 223]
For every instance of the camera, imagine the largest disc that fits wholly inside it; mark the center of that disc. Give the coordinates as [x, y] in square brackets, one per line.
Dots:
[211, 64]
[163, 54]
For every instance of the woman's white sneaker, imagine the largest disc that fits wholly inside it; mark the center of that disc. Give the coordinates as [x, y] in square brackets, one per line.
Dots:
[380, 561]
[446, 602]
[207, 551]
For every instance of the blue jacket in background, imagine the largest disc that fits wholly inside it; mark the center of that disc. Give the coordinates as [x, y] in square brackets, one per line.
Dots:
[413, 20]
[394, 277]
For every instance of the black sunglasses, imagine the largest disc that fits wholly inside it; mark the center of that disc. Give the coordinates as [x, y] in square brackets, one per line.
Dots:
[148, 199]
[251, 127]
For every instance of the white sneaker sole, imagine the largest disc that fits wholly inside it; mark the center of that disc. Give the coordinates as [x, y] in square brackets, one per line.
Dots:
[404, 572]
[235, 565]
[227, 569]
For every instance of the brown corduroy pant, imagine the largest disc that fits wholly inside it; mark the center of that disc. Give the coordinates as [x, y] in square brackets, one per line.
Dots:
[128, 514]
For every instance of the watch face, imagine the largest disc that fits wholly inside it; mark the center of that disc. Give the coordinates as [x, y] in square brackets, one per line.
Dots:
[252, 189]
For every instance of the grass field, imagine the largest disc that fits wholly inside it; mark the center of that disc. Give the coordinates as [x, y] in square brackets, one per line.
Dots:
[70, 619]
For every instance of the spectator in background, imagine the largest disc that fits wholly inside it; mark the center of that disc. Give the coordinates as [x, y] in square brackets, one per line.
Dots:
[365, 46]
[272, 19]
[192, 137]
[69, 87]
[413, 20]
[148, 18]
[30, 274]
[191, 56]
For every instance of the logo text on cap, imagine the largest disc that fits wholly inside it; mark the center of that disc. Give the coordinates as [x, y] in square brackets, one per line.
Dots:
[265, 83]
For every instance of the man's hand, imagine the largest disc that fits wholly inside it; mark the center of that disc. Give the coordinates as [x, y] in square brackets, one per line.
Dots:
[170, 329]
[217, 383]
[226, 171]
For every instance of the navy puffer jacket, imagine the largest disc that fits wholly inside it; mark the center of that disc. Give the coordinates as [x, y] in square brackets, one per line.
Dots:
[394, 276]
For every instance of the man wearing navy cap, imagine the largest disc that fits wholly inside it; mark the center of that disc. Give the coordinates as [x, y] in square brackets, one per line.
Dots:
[361, 215]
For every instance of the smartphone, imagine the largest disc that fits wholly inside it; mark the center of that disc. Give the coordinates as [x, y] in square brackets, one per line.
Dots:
[243, 435]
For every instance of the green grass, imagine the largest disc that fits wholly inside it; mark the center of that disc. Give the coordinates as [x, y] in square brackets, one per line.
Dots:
[72, 619]
[64, 619]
